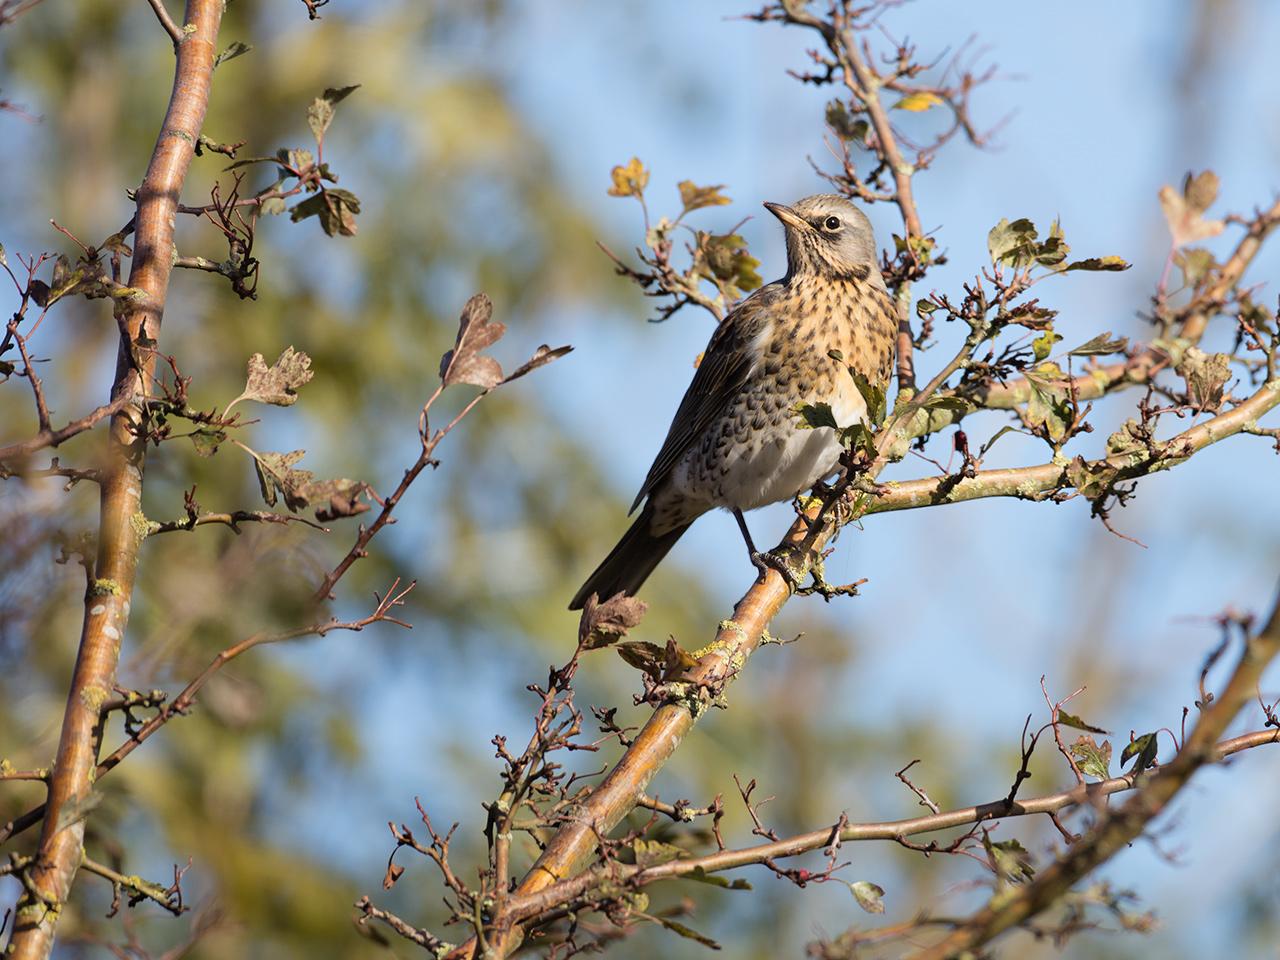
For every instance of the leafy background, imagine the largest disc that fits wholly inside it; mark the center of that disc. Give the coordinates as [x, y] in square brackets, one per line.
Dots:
[479, 144]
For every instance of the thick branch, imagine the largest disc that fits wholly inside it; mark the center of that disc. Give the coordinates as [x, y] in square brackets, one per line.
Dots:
[1120, 828]
[58, 856]
[1043, 479]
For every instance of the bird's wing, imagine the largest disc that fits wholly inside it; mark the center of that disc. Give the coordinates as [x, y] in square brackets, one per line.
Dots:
[726, 365]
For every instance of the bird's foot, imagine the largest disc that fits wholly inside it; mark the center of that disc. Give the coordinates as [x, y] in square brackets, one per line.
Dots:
[773, 560]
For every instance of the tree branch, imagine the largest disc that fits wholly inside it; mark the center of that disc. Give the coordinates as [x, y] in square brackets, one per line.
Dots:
[166, 21]
[1121, 827]
[582, 888]
[107, 600]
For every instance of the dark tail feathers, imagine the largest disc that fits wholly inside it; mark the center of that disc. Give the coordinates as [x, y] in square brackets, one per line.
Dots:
[629, 564]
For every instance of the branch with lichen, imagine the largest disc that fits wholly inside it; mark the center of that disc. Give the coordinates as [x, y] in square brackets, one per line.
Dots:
[49, 879]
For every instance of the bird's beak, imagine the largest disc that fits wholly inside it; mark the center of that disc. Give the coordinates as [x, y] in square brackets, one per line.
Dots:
[788, 216]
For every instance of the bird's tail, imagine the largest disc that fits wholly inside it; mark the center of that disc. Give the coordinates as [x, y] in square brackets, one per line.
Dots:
[629, 564]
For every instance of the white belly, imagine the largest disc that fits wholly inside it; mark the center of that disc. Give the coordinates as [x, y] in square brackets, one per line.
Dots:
[787, 464]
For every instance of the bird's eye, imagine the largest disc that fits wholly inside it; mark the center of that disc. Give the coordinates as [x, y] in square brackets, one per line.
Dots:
[831, 223]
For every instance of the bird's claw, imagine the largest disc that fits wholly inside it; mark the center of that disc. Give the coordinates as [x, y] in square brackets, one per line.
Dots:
[764, 562]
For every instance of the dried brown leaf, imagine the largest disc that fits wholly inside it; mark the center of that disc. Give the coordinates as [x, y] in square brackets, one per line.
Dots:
[277, 384]
[606, 622]
[465, 363]
[541, 357]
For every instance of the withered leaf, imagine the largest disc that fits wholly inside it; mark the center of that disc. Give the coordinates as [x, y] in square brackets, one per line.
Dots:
[1092, 480]
[236, 49]
[694, 197]
[870, 896]
[1206, 375]
[476, 330]
[649, 658]
[335, 209]
[279, 479]
[1100, 345]
[1112, 263]
[277, 384]
[629, 180]
[320, 113]
[541, 357]
[1093, 759]
[1071, 720]
[1184, 211]
[918, 101]
[606, 622]
[394, 871]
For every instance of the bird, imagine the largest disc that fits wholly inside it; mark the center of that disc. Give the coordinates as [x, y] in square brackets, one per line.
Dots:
[737, 441]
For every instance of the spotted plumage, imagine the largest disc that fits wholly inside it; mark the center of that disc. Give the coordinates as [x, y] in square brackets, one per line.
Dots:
[735, 441]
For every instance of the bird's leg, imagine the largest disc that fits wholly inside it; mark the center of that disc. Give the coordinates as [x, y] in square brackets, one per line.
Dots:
[763, 562]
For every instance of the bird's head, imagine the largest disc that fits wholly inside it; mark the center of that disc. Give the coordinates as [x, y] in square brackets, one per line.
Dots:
[827, 236]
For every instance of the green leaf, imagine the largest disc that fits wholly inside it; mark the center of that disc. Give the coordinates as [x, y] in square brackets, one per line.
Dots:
[1042, 346]
[1071, 720]
[1054, 249]
[687, 932]
[816, 415]
[715, 880]
[844, 125]
[925, 309]
[236, 49]
[870, 896]
[650, 853]
[1012, 243]
[1144, 749]
[725, 258]
[694, 197]
[4, 261]
[1100, 345]
[1093, 759]
[320, 113]
[859, 437]
[982, 452]
[1010, 859]
[629, 180]
[207, 439]
[873, 395]
[953, 404]
[1048, 406]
